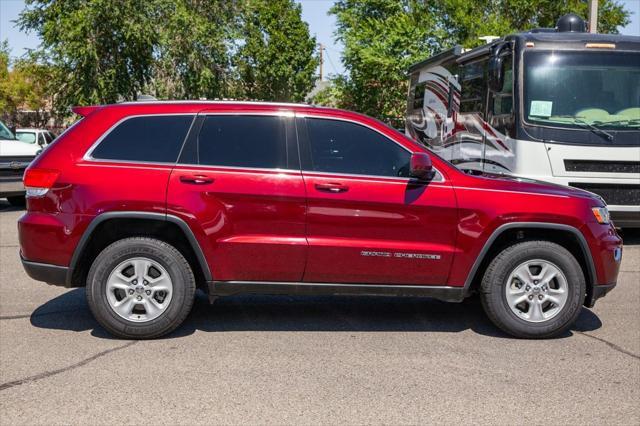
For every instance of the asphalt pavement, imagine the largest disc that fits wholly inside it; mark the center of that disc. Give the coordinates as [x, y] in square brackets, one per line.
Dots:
[312, 360]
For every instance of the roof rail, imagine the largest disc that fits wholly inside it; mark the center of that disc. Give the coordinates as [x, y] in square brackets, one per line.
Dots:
[144, 98]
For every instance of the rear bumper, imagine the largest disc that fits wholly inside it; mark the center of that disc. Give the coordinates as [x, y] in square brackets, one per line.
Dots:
[51, 274]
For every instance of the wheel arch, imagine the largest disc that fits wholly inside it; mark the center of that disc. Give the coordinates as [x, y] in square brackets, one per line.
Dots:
[510, 233]
[169, 228]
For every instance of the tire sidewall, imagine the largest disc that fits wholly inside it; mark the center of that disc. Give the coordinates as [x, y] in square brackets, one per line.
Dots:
[575, 283]
[119, 252]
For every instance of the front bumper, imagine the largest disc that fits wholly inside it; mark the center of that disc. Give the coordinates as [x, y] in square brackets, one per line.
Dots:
[51, 274]
[596, 293]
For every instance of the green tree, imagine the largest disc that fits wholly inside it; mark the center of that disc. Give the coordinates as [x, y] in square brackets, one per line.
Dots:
[192, 57]
[25, 84]
[276, 55]
[466, 21]
[103, 49]
[382, 38]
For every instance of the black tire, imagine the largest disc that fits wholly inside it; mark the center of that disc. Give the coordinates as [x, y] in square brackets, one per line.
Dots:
[170, 259]
[494, 282]
[17, 201]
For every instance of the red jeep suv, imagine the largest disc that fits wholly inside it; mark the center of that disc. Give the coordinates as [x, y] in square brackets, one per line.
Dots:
[145, 202]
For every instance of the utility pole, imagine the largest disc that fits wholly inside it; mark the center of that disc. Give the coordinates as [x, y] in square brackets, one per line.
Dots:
[321, 48]
[593, 16]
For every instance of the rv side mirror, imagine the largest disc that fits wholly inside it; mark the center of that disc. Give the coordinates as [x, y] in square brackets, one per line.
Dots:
[450, 100]
[496, 73]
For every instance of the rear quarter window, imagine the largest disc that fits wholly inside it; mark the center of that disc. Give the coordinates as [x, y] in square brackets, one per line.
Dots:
[149, 138]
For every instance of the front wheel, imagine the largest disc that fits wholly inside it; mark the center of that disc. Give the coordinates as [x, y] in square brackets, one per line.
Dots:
[533, 289]
[140, 288]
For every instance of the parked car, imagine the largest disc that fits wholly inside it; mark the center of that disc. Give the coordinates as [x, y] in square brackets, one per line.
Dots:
[15, 156]
[40, 137]
[144, 202]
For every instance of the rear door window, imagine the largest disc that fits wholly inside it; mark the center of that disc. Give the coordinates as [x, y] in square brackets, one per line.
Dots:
[148, 138]
[243, 141]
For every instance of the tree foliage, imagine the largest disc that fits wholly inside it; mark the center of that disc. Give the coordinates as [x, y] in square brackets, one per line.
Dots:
[276, 60]
[24, 85]
[102, 49]
[105, 50]
[192, 55]
[465, 21]
[382, 38]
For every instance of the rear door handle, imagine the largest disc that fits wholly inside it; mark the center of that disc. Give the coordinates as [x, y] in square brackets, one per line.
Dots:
[331, 187]
[196, 179]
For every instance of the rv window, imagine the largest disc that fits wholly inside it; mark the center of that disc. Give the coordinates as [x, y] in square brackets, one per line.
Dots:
[418, 97]
[474, 88]
[503, 100]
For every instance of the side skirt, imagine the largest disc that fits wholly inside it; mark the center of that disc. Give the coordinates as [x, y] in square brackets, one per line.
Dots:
[229, 288]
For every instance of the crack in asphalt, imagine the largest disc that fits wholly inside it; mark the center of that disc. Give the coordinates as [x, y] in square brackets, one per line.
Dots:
[43, 314]
[611, 345]
[46, 374]
[10, 317]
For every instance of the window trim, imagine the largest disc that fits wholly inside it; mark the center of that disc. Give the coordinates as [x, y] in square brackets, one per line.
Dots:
[305, 140]
[88, 156]
[439, 178]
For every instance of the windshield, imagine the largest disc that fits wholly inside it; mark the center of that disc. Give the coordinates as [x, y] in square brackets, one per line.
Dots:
[5, 133]
[29, 137]
[594, 90]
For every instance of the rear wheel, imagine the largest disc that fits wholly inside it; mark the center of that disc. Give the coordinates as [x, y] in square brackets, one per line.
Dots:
[533, 289]
[140, 288]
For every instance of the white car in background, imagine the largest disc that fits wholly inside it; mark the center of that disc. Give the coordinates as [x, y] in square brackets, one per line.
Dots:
[15, 156]
[39, 137]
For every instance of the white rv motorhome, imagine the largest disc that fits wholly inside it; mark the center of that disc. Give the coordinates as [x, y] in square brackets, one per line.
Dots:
[559, 105]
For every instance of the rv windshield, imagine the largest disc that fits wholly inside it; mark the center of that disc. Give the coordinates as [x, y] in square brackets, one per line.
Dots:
[594, 90]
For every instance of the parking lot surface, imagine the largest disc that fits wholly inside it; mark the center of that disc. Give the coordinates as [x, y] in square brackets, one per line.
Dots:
[312, 360]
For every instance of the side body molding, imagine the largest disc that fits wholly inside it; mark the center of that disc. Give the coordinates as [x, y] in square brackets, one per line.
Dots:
[139, 215]
[591, 272]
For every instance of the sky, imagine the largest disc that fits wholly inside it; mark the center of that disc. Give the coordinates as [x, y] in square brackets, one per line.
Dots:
[314, 12]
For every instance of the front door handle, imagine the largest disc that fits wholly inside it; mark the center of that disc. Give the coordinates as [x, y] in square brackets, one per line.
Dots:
[332, 187]
[196, 179]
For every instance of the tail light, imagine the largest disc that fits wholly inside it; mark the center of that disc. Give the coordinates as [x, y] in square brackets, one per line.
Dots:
[38, 181]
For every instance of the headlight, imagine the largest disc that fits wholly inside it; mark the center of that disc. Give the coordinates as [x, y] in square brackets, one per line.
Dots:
[601, 214]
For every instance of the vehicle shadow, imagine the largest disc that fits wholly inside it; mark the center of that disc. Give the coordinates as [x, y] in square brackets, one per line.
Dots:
[302, 313]
[630, 236]
[6, 207]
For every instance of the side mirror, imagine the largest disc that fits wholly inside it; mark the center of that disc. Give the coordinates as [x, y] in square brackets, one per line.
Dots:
[420, 166]
[496, 73]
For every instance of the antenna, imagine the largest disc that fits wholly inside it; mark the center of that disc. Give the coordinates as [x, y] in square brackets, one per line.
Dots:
[321, 49]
